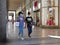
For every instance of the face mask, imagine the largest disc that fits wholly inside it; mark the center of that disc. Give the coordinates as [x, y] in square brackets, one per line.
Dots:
[21, 14]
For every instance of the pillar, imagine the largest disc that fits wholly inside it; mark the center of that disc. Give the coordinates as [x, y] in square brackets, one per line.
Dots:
[59, 13]
[3, 19]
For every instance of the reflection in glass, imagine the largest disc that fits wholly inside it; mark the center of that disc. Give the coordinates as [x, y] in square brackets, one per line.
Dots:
[56, 2]
[44, 3]
[50, 11]
[56, 15]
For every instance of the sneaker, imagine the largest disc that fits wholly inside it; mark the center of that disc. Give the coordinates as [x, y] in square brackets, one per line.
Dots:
[22, 38]
[29, 37]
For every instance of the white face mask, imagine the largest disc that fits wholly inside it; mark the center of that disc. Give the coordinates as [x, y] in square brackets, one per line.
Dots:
[21, 14]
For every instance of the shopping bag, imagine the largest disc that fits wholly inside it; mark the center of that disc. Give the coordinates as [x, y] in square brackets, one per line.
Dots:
[24, 25]
[32, 26]
[17, 23]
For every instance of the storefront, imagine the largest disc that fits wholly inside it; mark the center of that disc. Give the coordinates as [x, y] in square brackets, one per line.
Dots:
[49, 13]
[44, 12]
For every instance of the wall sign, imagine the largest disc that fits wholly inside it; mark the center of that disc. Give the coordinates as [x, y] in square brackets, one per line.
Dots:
[36, 5]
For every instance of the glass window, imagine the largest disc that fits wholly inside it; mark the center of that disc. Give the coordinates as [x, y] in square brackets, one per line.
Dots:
[50, 12]
[44, 15]
[44, 3]
[56, 2]
[56, 15]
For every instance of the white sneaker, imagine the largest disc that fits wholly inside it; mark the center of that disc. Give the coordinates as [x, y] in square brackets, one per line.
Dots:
[22, 38]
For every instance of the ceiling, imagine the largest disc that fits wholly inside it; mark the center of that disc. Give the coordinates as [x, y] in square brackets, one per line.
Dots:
[13, 4]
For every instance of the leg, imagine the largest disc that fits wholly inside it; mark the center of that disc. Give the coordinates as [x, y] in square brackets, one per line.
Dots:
[21, 31]
[29, 30]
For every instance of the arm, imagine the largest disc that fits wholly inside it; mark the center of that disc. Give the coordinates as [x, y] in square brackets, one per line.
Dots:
[25, 22]
[32, 19]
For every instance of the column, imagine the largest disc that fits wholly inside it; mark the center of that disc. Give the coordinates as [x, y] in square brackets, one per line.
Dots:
[3, 19]
[59, 13]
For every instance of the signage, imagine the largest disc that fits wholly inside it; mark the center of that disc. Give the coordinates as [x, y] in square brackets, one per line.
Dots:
[36, 5]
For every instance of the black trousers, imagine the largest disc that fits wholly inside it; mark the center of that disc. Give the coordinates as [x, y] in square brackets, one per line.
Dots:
[29, 30]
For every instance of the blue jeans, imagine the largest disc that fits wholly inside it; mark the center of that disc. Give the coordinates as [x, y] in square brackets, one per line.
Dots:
[29, 30]
[21, 30]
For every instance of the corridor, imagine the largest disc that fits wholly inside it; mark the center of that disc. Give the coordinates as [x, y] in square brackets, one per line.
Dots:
[45, 13]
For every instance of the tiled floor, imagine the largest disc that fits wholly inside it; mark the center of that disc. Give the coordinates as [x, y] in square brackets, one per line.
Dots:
[39, 36]
[34, 41]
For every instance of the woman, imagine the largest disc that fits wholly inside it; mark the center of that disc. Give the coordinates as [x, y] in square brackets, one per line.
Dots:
[21, 24]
